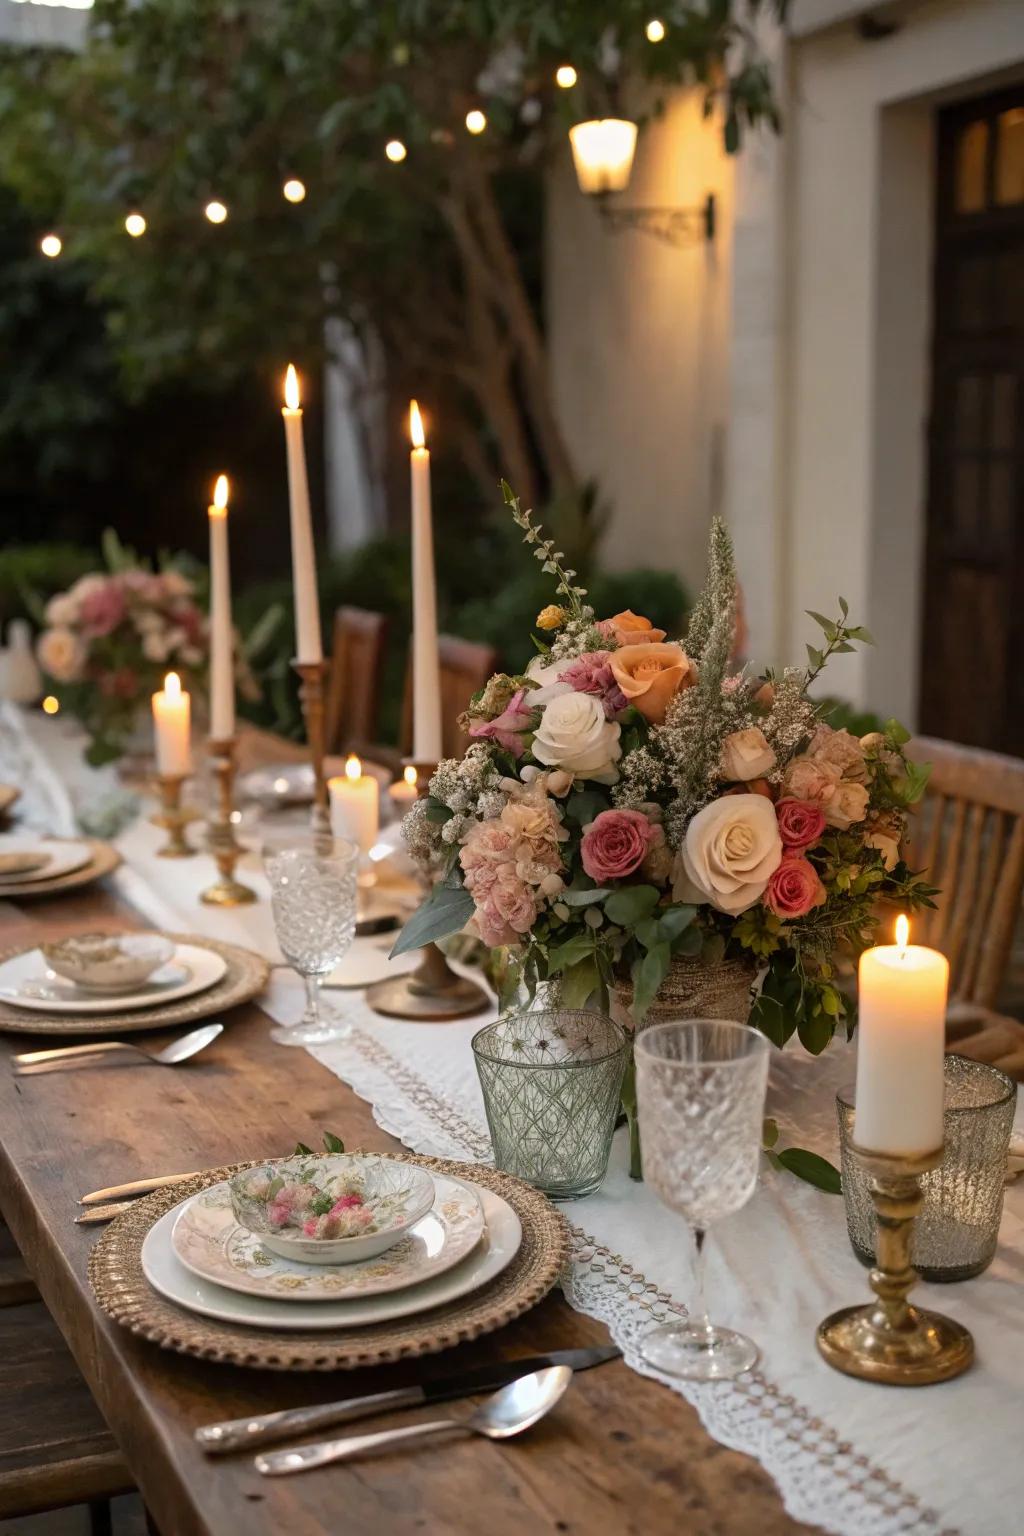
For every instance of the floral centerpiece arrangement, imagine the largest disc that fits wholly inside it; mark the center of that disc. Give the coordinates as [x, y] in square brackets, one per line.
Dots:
[109, 641]
[632, 808]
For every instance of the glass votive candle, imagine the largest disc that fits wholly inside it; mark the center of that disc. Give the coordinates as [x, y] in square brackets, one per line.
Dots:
[955, 1235]
[551, 1081]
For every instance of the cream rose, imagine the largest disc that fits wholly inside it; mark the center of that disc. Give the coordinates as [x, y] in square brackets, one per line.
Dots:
[574, 734]
[61, 654]
[731, 849]
[746, 755]
[848, 804]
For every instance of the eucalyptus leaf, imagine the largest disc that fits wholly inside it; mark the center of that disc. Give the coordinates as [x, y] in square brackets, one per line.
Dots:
[584, 898]
[578, 982]
[631, 904]
[812, 1169]
[648, 974]
[447, 909]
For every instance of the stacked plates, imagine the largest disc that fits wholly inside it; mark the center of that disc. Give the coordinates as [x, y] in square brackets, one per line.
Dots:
[31, 865]
[199, 1257]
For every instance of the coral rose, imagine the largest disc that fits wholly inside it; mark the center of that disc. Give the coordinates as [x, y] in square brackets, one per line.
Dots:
[615, 844]
[794, 888]
[746, 755]
[801, 823]
[731, 849]
[650, 676]
[629, 628]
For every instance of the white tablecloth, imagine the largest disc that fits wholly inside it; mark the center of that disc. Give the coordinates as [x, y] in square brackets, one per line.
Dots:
[856, 1459]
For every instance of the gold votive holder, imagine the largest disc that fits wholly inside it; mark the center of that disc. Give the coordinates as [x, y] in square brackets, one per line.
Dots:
[173, 817]
[220, 838]
[312, 678]
[888, 1340]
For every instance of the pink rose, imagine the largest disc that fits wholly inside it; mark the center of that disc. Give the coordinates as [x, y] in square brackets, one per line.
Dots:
[102, 609]
[590, 673]
[615, 844]
[794, 888]
[801, 823]
[508, 727]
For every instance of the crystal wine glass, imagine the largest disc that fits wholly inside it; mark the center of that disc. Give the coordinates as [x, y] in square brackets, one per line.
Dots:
[701, 1088]
[313, 896]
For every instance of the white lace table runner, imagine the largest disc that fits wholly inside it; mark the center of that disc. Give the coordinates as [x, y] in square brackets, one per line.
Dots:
[855, 1459]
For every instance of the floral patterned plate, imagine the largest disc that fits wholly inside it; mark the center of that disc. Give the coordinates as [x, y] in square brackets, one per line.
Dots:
[209, 1241]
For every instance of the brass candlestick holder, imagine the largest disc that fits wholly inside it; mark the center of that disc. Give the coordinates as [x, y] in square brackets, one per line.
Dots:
[312, 675]
[221, 839]
[173, 817]
[888, 1340]
[433, 991]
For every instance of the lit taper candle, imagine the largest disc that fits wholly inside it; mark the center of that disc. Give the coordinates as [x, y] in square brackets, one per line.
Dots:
[222, 661]
[901, 1041]
[307, 608]
[426, 669]
[172, 713]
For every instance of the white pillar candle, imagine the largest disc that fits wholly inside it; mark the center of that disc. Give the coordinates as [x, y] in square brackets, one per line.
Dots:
[405, 791]
[307, 607]
[901, 1038]
[222, 660]
[172, 712]
[426, 668]
[355, 805]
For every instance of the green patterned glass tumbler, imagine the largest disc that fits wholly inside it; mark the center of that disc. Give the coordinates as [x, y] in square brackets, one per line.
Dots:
[551, 1082]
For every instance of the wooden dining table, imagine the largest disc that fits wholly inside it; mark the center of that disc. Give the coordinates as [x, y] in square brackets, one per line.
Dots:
[619, 1454]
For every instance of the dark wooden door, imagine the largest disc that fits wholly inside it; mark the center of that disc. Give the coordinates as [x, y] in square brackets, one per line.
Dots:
[972, 672]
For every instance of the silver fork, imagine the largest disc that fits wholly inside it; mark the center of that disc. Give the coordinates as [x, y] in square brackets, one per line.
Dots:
[182, 1049]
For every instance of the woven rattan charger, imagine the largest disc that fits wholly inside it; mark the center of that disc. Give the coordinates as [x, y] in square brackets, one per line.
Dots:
[124, 1294]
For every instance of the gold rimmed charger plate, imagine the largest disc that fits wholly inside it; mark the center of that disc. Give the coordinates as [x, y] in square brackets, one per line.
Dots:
[245, 977]
[103, 861]
[124, 1294]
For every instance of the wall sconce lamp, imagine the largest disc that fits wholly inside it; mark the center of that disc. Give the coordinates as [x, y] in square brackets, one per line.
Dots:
[602, 153]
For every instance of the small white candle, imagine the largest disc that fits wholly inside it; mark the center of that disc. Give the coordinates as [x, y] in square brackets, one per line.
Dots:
[426, 668]
[172, 712]
[404, 791]
[222, 663]
[307, 607]
[901, 1038]
[355, 805]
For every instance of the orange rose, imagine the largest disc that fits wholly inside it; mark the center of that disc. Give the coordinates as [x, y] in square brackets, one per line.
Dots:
[651, 675]
[629, 628]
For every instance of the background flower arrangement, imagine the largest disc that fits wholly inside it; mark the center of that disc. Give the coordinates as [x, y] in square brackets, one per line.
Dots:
[625, 801]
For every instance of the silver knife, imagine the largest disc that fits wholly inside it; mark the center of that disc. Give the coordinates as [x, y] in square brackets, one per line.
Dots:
[263, 1429]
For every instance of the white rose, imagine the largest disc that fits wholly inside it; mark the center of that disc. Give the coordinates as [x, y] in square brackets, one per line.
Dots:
[575, 735]
[731, 849]
[848, 804]
[542, 672]
[746, 755]
[155, 646]
[61, 654]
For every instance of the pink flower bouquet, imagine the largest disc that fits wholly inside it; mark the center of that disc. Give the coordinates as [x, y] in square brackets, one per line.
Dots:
[627, 799]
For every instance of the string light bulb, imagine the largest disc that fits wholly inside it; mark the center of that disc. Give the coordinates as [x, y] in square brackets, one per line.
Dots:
[476, 121]
[135, 224]
[51, 245]
[395, 151]
[655, 30]
[216, 212]
[294, 190]
[565, 76]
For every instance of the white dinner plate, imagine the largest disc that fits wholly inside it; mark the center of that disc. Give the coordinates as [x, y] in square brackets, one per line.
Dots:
[63, 855]
[211, 1243]
[166, 1273]
[26, 981]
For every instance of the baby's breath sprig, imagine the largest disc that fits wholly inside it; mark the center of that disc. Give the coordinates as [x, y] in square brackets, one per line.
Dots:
[544, 550]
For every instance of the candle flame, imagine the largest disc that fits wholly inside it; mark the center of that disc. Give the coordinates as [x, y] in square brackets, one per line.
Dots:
[353, 767]
[220, 493]
[172, 685]
[416, 432]
[410, 776]
[903, 931]
[291, 388]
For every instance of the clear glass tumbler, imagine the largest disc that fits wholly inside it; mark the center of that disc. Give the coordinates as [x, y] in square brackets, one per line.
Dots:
[551, 1081]
[701, 1088]
[313, 897]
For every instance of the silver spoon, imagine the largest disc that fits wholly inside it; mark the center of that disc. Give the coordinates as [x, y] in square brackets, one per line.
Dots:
[507, 1413]
[171, 1055]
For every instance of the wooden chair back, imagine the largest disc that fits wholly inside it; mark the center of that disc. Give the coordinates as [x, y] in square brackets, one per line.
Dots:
[967, 837]
[354, 678]
[465, 667]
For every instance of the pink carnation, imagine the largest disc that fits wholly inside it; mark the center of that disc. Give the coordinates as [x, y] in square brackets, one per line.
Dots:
[801, 823]
[591, 673]
[508, 727]
[102, 609]
[794, 888]
[616, 844]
